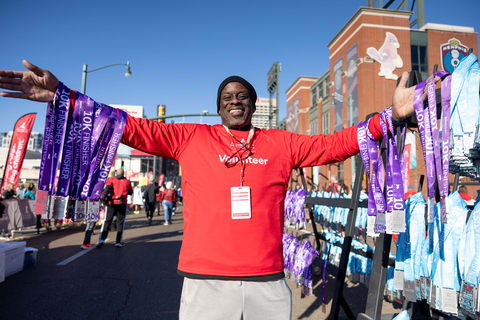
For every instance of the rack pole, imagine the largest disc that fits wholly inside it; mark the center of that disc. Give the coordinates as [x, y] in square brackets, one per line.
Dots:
[338, 299]
[311, 211]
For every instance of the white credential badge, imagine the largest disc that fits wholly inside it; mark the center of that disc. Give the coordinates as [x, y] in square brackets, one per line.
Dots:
[241, 203]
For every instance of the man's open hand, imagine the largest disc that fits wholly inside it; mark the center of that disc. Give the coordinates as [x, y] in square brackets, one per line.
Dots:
[403, 98]
[36, 84]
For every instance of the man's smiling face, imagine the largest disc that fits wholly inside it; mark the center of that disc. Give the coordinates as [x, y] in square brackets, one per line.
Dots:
[236, 107]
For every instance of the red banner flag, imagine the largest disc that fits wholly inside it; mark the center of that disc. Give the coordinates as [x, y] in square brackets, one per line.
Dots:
[18, 148]
[160, 179]
[150, 173]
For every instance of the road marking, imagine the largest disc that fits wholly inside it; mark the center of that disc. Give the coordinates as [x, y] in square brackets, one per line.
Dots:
[78, 255]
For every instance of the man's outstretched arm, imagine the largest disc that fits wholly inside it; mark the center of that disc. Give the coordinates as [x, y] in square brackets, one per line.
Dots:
[40, 84]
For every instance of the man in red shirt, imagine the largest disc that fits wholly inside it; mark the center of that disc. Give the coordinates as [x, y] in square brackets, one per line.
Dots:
[231, 256]
[119, 188]
[334, 185]
[410, 192]
[462, 190]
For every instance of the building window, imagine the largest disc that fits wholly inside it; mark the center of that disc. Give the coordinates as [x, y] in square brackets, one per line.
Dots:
[314, 96]
[340, 171]
[314, 127]
[321, 90]
[326, 122]
[420, 60]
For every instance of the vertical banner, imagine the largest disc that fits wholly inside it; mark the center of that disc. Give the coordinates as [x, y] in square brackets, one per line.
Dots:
[410, 140]
[18, 148]
[407, 149]
[160, 179]
[295, 115]
[338, 95]
[352, 84]
[150, 173]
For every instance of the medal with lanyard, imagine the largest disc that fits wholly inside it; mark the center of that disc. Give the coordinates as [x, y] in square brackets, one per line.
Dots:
[468, 261]
[464, 115]
[240, 196]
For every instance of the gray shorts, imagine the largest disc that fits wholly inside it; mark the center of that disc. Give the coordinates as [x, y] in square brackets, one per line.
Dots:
[235, 300]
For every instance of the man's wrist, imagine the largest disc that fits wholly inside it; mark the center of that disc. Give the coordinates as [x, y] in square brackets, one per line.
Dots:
[396, 123]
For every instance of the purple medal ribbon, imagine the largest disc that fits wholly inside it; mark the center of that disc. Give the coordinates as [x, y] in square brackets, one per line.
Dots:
[76, 174]
[424, 128]
[374, 183]
[63, 186]
[104, 137]
[418, 106]
[389, 178]
[110, 155]
[429, 142]
[86, 116]
[363, 146]
[439, 160]
[61, 118]
[47, 147]
[446, 97]
[397, 165]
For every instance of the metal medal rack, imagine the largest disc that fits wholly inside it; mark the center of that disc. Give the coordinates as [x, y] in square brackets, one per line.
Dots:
[381, 260]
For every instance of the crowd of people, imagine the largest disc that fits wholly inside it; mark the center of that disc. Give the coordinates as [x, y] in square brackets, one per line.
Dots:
[20, 193]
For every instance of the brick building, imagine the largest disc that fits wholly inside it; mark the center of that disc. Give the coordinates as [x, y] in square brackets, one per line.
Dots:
[366, 57]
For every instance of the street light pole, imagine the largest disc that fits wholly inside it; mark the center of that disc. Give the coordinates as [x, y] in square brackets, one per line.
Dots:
[128, 73]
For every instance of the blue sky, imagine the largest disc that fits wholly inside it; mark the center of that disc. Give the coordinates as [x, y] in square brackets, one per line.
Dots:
[179, 51]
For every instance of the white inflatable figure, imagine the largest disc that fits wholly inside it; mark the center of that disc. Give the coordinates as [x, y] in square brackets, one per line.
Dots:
[387, 56]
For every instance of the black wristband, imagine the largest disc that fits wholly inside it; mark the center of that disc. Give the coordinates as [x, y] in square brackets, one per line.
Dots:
[397, 123]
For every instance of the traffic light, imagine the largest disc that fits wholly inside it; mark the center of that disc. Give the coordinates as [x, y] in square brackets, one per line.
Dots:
[161, 112]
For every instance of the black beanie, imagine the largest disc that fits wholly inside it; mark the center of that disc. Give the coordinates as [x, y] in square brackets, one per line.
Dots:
[251, 90]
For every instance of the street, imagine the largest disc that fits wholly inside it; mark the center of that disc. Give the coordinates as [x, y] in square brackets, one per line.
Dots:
[138, 281]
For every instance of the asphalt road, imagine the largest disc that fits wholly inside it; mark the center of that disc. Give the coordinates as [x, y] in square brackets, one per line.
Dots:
[138, 281]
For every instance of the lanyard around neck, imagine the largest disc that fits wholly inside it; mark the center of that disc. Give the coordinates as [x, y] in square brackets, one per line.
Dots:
[245, 145]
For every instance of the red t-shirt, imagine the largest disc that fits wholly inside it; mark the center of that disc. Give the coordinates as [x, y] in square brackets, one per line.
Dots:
[119, 187]
[213, 243]
[465, 196]
[409, 194]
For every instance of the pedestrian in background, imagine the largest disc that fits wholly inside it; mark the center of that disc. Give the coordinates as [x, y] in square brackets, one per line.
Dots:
[120, 187]
[137, 199]
[168, 200]
[151, 190]
[158, 200]
[130, 200]
[29, 193]
[9, 194]
[180, 196]
[410, 192]
[20, 191]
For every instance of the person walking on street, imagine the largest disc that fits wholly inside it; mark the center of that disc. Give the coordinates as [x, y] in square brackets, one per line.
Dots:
[231, 267]
[151, 190]
[168, 200]
[137, 199]
[158, 200]
[180, 197]
[119, 188]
